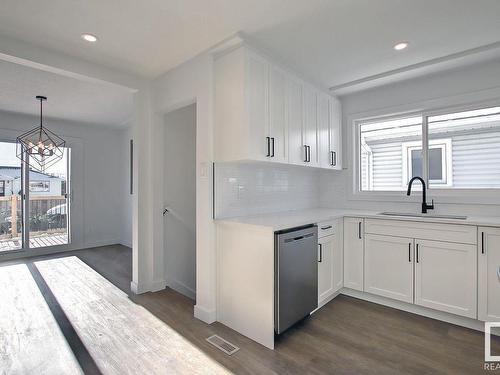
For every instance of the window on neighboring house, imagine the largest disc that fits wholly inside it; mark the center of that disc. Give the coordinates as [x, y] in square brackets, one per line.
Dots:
[39, 186]
[463, 151]
[2, 188]
[439, 159]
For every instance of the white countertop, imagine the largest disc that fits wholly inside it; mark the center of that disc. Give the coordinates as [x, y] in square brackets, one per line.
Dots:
[297, 218]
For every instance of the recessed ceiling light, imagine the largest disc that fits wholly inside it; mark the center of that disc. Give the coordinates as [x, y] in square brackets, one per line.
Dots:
[400, 46]
[89, 38]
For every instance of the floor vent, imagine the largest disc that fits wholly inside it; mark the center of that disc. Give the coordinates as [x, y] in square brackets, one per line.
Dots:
[222, 344]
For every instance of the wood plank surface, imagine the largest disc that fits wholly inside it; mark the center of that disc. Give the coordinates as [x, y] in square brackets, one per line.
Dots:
[156, 333]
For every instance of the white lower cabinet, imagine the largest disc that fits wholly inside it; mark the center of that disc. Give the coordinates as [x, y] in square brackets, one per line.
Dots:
[446, 277]
[353, 253]
[389, 267]
[489, 274]
[330, 268]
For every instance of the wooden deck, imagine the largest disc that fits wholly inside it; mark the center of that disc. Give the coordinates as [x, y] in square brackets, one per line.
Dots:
[35, 242]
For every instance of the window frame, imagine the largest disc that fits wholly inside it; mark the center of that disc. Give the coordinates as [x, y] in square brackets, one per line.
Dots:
[446, 166]
[426, 109]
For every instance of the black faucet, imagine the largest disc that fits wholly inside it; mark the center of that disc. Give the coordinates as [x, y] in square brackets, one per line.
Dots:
[425, 206]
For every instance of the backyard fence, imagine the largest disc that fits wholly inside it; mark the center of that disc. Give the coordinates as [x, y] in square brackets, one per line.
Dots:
[46, 214]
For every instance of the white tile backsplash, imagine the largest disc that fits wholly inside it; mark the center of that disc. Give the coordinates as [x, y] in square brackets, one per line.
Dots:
[243, 188]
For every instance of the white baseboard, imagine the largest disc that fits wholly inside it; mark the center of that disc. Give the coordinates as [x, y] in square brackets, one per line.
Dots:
[181, 288]
[91, 244]
[325, 301]
[419, 310]
[153, 286]
[204, 314]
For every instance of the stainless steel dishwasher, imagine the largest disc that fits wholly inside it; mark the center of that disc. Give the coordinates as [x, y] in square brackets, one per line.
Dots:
[296, 275]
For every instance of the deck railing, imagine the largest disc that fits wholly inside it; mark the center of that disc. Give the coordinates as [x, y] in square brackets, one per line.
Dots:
[40, 219]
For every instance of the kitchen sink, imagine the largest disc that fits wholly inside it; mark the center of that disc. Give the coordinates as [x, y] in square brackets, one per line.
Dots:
[431, 216]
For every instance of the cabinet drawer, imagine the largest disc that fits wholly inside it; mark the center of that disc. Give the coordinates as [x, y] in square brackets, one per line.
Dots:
[428, 231]
[326, 228]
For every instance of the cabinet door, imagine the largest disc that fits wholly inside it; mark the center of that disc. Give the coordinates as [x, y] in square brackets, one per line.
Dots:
[295, 119]
[257, 108]
[335, 134]
[324, 130]
[326, 246]
[489, 275]
[277, 111]
[353, 253]
[446, 277]
[389, 267]
[338, 258]
[310, 124]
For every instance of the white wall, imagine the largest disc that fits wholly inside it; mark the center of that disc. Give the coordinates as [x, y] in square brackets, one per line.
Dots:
[96, 173]
[191, 82]
[179, 187]
[127, 208]
[243, 189]
[473, 84]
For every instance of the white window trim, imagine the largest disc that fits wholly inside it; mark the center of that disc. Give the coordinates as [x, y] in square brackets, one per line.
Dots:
[447, 167]
[490, 98]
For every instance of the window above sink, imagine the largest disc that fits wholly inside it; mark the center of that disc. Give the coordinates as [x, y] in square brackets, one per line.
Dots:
[451, 150]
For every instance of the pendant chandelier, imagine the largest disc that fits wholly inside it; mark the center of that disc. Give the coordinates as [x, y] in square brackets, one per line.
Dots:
[40, 148]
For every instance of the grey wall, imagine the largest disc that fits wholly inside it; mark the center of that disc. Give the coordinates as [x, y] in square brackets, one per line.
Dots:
[180, 197]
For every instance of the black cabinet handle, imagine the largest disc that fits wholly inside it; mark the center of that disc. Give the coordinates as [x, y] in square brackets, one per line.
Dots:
[320, 253]
[268, 140]
[308, 154]
[272, 140]
[418, 258]
[359, 230]
[482, 242]
[305, 150]
[333, 158]
[327, 227]
[409, 252]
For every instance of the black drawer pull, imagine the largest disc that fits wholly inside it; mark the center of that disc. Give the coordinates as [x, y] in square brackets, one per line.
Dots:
[325, 228]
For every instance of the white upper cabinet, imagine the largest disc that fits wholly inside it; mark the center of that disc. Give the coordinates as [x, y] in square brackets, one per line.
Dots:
[311, 125]
[277, 122]
[265, 113]
[489, 274]
[295, 117]
[324, 130]
[335, 134]
[257, 108]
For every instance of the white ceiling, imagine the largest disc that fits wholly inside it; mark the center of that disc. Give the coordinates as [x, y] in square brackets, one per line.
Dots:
[68, 98]
[331, 41]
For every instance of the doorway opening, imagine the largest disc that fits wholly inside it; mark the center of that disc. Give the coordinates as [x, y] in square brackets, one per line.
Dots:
[179, 196]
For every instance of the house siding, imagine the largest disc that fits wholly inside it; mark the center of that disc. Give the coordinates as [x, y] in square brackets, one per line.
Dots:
[475, 158]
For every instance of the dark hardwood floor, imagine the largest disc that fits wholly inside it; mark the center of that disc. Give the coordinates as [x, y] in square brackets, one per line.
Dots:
[347, 336]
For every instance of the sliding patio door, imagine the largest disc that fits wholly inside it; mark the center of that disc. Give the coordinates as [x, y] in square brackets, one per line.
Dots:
[11, 224]
[47, 205]
[34, 206]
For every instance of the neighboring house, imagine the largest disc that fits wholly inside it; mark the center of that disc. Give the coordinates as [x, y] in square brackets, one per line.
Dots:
[41, 184]
[459, 155]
